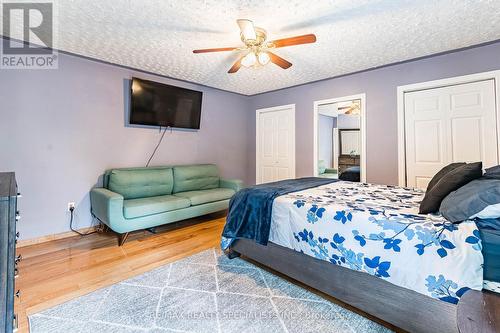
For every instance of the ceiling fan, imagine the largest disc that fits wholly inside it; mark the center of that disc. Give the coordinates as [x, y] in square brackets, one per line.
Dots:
[257, 48]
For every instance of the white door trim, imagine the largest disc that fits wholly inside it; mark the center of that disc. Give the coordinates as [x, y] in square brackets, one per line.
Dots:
[289, 107]
[495, 75]
[362, 161]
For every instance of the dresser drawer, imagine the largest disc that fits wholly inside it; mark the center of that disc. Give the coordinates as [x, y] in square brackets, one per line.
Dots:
[347, 159]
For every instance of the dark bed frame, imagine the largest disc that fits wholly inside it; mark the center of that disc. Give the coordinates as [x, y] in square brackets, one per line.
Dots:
[401, 307]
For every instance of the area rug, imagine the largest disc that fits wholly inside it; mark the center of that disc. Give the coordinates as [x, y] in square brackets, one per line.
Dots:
[206, 292]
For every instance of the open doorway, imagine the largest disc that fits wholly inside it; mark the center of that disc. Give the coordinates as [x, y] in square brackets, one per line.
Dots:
[339, 138]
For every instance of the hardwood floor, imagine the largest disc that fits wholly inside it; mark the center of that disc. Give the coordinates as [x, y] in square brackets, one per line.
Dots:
[54, 272]
[57, 271]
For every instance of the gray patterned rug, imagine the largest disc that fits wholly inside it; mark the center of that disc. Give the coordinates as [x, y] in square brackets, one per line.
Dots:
[203, 293]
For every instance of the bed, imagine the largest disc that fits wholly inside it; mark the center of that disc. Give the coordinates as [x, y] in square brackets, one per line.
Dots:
[366, 246]
[351, 174]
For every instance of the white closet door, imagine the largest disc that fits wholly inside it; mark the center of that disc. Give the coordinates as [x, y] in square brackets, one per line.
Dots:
[267, 147]
[276, 145]
[449, 124]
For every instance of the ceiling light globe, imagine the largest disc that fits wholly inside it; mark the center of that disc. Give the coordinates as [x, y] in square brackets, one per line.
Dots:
[249, 60]
[264, 58]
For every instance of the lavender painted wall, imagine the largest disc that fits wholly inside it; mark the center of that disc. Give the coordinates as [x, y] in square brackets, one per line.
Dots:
[381, 109]
[60, 129]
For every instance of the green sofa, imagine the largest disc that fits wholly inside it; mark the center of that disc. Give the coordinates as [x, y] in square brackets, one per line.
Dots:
[325, 172]
[142, 198]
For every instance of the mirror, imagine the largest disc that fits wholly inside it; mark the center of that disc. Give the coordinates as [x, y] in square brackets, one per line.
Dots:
[339, 140]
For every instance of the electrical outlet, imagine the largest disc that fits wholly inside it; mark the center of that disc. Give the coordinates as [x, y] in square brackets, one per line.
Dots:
[71, 205]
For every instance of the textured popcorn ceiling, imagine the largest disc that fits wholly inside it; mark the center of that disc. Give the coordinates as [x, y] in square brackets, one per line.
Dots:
[353, 35]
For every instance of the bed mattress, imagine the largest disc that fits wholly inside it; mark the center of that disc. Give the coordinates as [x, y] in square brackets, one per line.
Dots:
[376, 229]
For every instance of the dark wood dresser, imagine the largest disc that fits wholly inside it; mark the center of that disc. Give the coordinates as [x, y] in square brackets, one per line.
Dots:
[347, 161]
[8, 260]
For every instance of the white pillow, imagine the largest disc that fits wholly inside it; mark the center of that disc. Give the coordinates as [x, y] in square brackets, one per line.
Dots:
[490, 212]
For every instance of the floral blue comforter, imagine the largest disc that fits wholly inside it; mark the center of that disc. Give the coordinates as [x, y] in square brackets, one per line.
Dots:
[375, 229]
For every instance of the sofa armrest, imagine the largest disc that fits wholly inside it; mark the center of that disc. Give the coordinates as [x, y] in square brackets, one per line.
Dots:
[330, 170]
[107, 206]
[234, 184]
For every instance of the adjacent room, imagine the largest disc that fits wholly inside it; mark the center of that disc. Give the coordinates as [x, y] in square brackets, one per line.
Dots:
[339, 139]
[250, 166]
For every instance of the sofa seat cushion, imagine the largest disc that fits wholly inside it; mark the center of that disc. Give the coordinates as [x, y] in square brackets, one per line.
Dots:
[133, 208]
[142, 182]
[205, 196]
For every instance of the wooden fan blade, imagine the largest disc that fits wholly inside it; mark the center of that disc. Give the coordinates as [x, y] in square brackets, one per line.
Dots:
[236, 66]
[220, 49]
[297, 40]
[279, 61]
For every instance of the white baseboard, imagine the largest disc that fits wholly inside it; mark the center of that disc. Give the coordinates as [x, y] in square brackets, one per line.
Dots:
[48, 238]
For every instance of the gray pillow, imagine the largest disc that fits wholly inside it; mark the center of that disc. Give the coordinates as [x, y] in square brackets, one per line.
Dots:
[471, 199]
[493, 172]
[450, 182]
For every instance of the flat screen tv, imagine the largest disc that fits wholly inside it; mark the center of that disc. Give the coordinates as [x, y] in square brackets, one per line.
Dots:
[158, 104]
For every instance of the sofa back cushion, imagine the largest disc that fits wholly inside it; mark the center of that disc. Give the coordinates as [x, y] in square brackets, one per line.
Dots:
[195, 177]
[141, 182]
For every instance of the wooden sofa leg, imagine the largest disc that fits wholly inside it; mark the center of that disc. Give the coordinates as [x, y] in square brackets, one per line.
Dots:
[122, 238]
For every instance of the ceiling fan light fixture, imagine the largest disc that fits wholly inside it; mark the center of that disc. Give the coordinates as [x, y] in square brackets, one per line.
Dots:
[247, 29]
[249, 60]
[256, 49]
[264, 58]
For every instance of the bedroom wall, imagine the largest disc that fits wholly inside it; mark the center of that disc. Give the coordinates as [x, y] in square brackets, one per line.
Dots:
[380, 86]
[60, 129]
